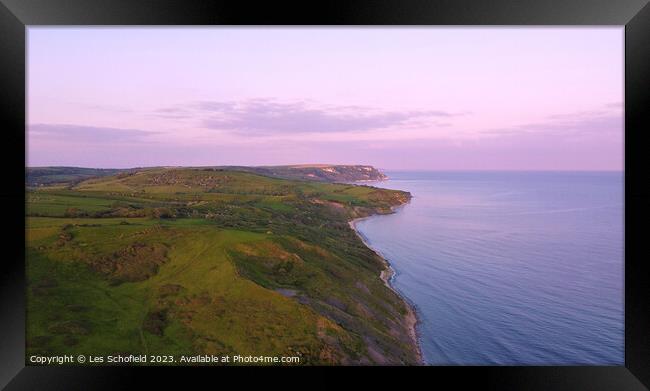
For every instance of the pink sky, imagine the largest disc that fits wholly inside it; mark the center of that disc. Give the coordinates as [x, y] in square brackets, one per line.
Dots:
[396, 98]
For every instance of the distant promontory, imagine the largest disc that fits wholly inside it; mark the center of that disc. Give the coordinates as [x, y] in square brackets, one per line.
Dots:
[321, 172]
[39, 176]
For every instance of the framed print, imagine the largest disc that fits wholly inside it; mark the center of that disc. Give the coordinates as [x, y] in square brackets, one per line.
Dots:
[453, 190]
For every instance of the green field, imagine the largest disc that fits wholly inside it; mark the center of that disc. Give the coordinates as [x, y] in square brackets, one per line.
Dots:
[210, 261]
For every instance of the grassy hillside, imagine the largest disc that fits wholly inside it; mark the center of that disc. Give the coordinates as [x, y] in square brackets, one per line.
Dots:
[320, 172]
[65, 176]
[210, 261]
[45, 176]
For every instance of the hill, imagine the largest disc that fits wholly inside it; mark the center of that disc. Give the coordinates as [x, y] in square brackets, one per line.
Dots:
[211, 261]
[44, 176]
[321, 172]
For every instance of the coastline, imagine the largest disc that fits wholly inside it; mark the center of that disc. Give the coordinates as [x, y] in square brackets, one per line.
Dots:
[411, 319]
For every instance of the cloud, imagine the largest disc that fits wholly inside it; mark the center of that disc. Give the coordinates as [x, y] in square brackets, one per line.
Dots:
[81, 133]
[263, 116]
[583, 123]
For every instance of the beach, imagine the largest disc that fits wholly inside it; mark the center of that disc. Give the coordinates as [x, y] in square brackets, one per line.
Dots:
[386, 275]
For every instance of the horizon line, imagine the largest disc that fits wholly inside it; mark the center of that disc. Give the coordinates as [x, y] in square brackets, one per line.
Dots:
[343, 164]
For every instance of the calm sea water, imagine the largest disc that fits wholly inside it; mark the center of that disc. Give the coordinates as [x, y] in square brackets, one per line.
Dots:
[520, 268]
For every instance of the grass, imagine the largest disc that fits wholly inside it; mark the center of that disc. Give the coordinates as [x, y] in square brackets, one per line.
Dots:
[52, 204]
[180, 261]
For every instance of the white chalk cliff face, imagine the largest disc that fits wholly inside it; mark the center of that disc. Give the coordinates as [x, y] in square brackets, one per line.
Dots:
[320, 172]
[333, 173]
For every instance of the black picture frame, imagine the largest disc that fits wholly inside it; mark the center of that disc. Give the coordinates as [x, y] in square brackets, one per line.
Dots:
[15, 15]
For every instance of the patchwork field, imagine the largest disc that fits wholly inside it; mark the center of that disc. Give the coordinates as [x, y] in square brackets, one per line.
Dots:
[210, 261]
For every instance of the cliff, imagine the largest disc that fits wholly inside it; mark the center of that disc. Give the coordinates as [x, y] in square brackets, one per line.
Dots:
[212, 261]
[321, 172]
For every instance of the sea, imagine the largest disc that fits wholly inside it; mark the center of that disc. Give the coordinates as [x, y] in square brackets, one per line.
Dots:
[509, 268]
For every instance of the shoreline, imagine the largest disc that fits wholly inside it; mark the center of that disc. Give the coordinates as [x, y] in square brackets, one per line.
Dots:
[386, 275]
